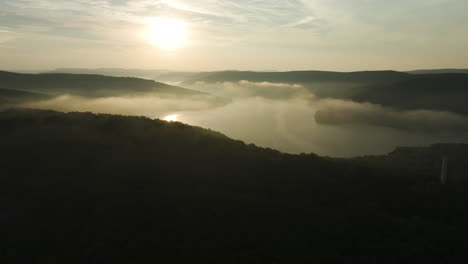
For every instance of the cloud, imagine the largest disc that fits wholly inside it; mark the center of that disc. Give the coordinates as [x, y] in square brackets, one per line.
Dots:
[342, 35]
[307, 22]
[151, 106]
[243, 11]
[230, 12]
[270, 84]
[6, 35]
[244, 89]
[343, 113]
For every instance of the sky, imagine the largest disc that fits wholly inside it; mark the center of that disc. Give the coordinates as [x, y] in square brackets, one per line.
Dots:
[336, 35]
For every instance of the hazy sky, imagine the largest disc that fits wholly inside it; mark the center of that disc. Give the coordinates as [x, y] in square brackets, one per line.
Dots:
[341, 35]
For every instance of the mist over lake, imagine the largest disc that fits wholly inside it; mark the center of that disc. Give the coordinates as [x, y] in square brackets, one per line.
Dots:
[289, 117]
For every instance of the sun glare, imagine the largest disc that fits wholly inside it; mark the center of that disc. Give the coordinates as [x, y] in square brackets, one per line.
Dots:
[170, 118]
[167, 33]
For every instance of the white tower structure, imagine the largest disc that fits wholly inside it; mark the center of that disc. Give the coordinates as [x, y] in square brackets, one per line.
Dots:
[443, 175]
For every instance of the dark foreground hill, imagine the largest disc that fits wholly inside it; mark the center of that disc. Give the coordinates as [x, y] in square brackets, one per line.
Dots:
[87, 188]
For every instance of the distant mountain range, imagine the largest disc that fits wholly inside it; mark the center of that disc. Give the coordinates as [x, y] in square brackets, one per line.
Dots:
[439, 71]
[160, 75]
[86, 84]
[299, 77]
[433, 90]
[442, 91]
[179, 75]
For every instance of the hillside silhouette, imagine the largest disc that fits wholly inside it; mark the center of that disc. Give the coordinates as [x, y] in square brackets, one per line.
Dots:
[87, 85]
[442, 92]
[8, 96]
[300, 77]
[130, 189]
[160, 75]
[439, 71]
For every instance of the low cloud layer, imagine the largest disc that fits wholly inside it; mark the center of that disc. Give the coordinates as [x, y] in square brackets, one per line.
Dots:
[245, 89]
[150, 106]
[286, 117]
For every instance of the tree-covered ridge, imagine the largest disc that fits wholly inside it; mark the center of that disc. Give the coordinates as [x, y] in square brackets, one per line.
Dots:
[442, 92]
[8, 96]
[399, 90]
[300, 77]
[131, 189]
[87, 84]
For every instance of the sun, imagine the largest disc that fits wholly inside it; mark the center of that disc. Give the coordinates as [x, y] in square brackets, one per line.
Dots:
[170, 118]
[167, 33]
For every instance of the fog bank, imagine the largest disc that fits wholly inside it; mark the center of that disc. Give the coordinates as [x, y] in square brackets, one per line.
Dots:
[286, 117]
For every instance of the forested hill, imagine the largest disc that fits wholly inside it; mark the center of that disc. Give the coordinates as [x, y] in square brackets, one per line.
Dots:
[443, 92]
[131, 189]
[439, 71]
[86, 84]
[300, 77]
[399, 90]
[160, 75]
[8, 96]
